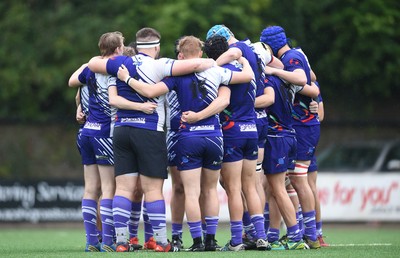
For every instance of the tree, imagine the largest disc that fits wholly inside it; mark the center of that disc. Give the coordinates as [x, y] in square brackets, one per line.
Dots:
[353, 45]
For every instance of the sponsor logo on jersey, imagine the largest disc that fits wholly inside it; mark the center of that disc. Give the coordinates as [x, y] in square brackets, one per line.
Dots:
[261, 114]
[248, 128]
[137, 120]
[92, 126]
[202, 128]
[101, 157]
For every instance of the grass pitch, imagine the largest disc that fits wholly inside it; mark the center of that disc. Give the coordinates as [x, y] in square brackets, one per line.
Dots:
[69, 241]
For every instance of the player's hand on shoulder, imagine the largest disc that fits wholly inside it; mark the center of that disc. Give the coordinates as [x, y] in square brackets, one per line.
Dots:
[313, 107]
[123, 73]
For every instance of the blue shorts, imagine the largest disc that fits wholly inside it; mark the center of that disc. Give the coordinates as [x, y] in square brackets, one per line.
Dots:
[279, 154]
[172, 139]
[239, 149]
[96, 150]
[313, 165]
[262, 130]
[307, 141]
[197, 152]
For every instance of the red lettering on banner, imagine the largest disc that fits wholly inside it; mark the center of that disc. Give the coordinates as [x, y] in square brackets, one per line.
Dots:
[323, 195]
[343, 195]
[377, 195]
[222, 197]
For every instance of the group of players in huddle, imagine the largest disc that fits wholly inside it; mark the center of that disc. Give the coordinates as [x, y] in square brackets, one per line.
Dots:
[247, 117]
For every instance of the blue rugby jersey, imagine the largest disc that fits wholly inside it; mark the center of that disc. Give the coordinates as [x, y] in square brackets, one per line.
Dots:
[238, 118]
[318, 98]
[280, 121]
[195, 92]
[294, 59]
[248, 53]
[149, 70]
[257, 67]
[101, 116]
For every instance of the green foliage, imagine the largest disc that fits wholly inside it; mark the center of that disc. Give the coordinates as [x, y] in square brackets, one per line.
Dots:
[353, 45]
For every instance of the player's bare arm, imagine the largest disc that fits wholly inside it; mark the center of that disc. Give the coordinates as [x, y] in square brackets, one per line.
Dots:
[215, 107]
[265, 100]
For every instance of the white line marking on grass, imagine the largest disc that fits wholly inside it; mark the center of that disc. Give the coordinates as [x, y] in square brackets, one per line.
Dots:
[371, 244]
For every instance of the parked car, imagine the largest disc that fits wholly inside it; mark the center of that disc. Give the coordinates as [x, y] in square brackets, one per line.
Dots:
[361, 157]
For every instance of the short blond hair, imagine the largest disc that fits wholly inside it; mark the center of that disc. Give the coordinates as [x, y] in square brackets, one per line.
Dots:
[190, 46]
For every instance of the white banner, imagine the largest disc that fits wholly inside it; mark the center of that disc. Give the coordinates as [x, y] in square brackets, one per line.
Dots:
[343, 197]
[359, 197]
[351, 197]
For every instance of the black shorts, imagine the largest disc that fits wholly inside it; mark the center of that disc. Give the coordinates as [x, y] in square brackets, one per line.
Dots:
[140, 151]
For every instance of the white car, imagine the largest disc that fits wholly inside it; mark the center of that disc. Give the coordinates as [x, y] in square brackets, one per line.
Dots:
[361, 157]
[360, 181]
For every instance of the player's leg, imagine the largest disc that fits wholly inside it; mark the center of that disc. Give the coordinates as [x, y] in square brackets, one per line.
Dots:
[177, 195]
[153, 170]
[255, 207]
[250, 231]
[91, 193]
[133, 224]
[231, 176]
[108, 189]
[103, 148]
[90, 205]
[191, 181]
[296, 203]
[312, 180]
[209, 201]
[285, 206]
[275, 168]
[250, 234]
[307, 140]
[249, 188]
[177, 209]
[210, 209]
[126, 178]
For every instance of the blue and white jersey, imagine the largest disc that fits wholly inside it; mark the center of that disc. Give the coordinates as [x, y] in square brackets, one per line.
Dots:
[101, 118]
[261, 113]
[238, 118]
[248, 53]
[174, 112]
[84, 101]
[143, 68]
[84, 97]
[257, 67]
[195, 92]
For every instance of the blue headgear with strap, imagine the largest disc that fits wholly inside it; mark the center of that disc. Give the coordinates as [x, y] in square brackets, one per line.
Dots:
[275, 37]
[219, 30]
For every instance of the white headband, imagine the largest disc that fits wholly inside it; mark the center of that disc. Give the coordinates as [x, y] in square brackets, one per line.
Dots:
[149, 44]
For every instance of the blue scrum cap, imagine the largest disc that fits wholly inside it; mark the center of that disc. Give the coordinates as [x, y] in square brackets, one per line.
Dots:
[275, 37]
[219, 30]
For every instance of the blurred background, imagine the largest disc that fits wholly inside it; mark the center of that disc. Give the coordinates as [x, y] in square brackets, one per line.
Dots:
[353, 47]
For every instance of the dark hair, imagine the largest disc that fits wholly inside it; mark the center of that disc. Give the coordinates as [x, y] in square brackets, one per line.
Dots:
[176, 47]
[215, 46]
[147, 34]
